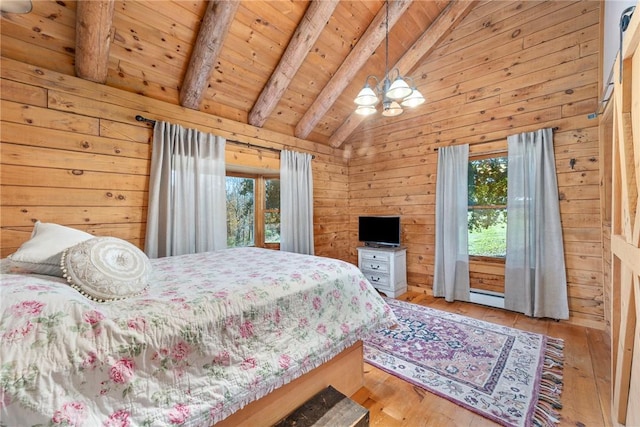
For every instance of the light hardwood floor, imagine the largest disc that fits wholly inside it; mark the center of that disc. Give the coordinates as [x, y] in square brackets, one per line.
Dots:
[586, 394]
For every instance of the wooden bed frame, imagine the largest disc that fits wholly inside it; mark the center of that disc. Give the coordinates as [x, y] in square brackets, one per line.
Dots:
[344, 372]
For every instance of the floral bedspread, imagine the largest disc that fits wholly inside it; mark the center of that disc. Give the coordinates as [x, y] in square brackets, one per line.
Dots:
[214, 332]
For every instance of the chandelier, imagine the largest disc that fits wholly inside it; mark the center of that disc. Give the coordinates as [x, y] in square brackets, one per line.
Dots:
[394, 95]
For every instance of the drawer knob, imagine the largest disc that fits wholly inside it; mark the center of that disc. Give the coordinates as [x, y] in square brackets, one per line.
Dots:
[375, 279]
[374, 267]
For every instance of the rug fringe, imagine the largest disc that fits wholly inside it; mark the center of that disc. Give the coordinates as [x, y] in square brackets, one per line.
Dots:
[546, 413]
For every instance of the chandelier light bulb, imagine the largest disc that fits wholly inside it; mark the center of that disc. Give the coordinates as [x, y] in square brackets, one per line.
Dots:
[391, 109]
[366, 110]
[366, 96]
[398, 90]
[414, 99]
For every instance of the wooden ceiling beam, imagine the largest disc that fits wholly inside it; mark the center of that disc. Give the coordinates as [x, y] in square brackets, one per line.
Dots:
[305, 36]
[428, 41]
[94, 33]
[213, 30]
[368, 43]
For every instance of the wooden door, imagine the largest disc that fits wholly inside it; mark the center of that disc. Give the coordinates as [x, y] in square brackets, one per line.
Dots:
[625, 232]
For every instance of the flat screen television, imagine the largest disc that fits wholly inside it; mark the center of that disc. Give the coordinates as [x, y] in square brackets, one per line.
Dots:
[379, 230]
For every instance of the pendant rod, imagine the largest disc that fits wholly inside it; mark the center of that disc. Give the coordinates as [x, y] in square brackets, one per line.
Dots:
[386, 45]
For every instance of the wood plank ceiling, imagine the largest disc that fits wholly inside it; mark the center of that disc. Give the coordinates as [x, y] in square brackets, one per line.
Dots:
[288, 66]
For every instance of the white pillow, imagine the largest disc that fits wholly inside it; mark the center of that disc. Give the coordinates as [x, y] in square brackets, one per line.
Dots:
[41, 253]
[106, 268]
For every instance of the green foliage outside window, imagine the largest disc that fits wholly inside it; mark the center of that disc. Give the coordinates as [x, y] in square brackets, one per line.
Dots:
[490, 241]
[240, 211]
[487, 188]
[272, 211]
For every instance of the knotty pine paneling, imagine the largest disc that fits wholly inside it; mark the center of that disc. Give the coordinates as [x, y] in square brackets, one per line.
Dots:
[507, 68]
[73, 153]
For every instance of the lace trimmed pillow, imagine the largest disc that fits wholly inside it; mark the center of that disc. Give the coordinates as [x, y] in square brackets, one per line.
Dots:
[106, 269]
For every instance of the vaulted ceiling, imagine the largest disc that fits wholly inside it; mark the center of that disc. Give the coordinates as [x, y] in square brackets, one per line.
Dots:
[289, 66]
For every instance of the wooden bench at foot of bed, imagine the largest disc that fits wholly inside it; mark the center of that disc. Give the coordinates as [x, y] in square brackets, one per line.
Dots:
[344, 372]
[327, 408]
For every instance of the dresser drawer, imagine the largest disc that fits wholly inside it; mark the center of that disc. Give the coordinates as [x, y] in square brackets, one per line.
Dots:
[374, 266]
[374, 256]
[378, 280]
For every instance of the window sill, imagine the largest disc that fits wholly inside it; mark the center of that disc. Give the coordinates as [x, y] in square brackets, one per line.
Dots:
[486, 259]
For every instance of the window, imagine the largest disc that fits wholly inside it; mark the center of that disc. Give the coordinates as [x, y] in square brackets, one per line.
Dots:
[487, 207]
[253, 211]
[272, 211]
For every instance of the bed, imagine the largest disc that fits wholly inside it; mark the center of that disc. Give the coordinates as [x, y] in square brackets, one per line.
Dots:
[212, 333]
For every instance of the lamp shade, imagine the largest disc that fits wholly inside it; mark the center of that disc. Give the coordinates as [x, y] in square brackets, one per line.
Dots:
[366, 96]
[414, 99]
[365, 110]
[398, 90]
[391, 109]
[15, 6]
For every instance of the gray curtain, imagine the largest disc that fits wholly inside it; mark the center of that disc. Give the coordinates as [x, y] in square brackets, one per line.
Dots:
[187, 192]
[451, 274]
[296, 202]
[535, 277]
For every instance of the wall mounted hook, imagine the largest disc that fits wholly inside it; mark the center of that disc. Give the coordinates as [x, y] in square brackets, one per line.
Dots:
[572, 163]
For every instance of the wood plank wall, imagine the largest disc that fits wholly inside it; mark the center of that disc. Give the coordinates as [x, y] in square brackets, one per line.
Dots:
[72, 153]
[509, 67]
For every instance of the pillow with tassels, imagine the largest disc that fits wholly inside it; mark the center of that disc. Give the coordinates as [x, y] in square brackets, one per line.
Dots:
[106, 269]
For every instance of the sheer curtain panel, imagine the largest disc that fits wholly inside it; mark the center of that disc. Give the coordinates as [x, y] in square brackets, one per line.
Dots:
[296, 202]
[451, 274]
[535, 276]
[187, 192]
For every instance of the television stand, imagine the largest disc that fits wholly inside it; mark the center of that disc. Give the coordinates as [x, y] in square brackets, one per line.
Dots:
[385, 267]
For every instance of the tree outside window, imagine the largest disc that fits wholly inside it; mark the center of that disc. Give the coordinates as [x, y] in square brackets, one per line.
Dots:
[487, 207]
[253, 211]
[240, 211]
[272, 211]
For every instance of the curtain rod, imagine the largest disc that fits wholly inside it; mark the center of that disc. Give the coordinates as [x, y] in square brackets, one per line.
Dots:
[484, 142]
[247, 144]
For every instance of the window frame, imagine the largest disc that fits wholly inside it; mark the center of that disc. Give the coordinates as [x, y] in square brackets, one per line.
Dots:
[486, 258]
[259, 200]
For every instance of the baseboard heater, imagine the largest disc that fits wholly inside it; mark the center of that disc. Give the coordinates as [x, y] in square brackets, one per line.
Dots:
[492, 299]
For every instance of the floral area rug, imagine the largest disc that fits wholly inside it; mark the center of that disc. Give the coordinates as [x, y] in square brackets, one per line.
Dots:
[510, 376]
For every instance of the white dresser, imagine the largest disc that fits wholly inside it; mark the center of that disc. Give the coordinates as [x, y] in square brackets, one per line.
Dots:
[385, 268]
